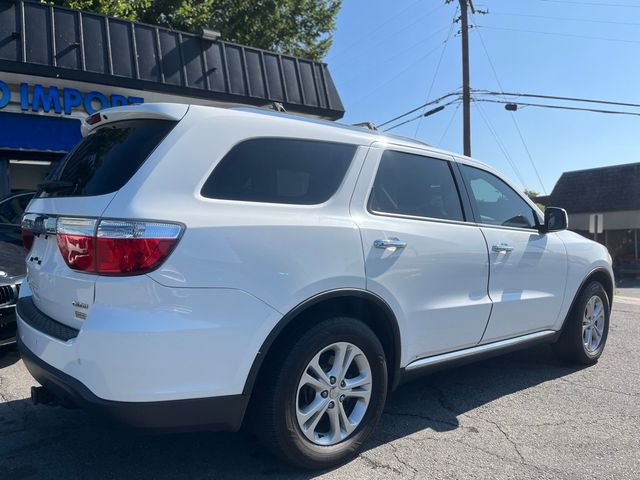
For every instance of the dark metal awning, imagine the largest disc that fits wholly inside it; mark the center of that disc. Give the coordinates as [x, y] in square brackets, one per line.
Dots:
[58, 42]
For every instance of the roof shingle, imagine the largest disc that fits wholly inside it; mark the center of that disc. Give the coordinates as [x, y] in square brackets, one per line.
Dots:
[602, 189]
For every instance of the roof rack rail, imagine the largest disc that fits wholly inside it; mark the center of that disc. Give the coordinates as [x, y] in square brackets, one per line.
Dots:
[278, 107]
[367, 125]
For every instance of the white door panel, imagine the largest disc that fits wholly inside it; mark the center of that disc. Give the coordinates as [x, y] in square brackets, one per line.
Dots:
[526, 284]
[439, 279]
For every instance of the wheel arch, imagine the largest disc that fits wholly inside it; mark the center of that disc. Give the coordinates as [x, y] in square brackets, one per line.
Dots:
[365, 305]
[601, 275]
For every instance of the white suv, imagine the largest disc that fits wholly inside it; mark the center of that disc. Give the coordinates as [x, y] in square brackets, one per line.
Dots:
[196, 267]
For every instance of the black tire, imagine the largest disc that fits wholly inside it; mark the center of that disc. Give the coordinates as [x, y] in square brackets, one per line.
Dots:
[275, 421]
[570, 346]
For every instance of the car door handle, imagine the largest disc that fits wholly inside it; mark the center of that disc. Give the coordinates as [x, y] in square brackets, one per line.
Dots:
[502, 248]
[389, 242]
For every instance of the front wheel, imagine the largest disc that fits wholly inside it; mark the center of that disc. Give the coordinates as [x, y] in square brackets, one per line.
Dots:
[585, 332]
[325, 395]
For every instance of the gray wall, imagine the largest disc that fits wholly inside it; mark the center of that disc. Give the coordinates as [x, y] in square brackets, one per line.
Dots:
[611, 220]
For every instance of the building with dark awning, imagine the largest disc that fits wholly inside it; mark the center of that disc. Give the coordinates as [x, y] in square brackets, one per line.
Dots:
[58, 65]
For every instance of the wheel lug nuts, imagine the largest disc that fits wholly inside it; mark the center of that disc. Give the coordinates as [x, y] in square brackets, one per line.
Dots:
[324, 394]
[342, 384]
[332, 380]
[332, 404]
[342, 397]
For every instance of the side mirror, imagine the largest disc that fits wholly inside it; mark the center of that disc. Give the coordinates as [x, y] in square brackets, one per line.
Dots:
[555, 220]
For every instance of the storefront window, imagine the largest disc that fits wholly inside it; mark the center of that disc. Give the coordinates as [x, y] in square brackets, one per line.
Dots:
[624, 247]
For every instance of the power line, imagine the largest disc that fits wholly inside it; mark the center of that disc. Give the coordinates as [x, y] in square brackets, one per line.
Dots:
[569, 19]
[378, 28]
[559, 107]
[500, 144]
[441, 107]
[595, 4]
[424, 105]
[446, 130]
[383, 61]
[559, 34]
[554, 97]
[513, 117]
[350, 54]
[435, 74]
[401, 72]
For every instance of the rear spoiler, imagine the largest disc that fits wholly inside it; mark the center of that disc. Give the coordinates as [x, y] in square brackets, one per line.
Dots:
[158, 111]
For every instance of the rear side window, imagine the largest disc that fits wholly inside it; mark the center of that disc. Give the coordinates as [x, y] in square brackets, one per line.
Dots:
[280, 170]
[106, 159]
[415, 185]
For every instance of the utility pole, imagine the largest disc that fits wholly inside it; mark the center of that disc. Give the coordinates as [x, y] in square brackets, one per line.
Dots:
[466, 89]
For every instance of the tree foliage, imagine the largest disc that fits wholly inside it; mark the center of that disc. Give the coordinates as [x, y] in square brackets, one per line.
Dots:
[297, 27]
[533, 195]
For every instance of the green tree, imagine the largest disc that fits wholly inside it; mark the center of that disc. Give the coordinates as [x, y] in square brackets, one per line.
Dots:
[127, 9]
[532, 194]
[297, 27]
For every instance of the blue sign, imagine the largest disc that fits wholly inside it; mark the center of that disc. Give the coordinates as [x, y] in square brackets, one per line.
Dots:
[65, 100]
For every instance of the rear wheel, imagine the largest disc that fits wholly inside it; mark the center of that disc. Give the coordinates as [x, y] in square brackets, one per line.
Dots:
[325, 394]
[586, 329]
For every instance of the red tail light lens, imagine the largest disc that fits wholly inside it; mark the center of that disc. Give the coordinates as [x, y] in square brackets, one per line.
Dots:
[115, 247]
[27, 238]
[28, 230]
[131, 247]
[76, 242]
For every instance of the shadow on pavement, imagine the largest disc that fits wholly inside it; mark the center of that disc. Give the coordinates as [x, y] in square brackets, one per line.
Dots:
[437, 401]
[50, 442]
[8, 355]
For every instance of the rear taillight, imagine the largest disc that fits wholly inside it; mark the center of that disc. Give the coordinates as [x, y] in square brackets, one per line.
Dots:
[28, 229]
[131, 247]
[77, 243]
[115, 247]
[27, 238]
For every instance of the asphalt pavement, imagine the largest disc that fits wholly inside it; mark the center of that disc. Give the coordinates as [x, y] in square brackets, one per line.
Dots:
[520, 416]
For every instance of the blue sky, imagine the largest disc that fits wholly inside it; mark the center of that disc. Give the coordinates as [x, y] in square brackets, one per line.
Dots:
[385, 55]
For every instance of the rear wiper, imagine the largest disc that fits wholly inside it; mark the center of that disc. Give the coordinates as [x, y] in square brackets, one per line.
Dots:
[55, 185]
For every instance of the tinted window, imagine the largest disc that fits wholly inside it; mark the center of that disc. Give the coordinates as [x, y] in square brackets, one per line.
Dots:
[105, 160]
[280, 170]
[415, 185]
[12, 208]
[496, 202]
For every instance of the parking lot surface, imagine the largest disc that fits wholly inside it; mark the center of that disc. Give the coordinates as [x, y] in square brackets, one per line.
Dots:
[523, 415]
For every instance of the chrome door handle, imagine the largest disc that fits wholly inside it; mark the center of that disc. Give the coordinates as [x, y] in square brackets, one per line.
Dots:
[502, 248]
[390, 242]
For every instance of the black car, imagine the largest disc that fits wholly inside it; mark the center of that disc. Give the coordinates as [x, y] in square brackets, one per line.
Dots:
[12, 267]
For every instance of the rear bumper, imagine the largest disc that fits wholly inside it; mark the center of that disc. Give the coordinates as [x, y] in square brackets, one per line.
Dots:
[215, 413]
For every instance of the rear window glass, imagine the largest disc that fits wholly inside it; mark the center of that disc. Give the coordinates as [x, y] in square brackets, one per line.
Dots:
[280, 170]
[106, 159]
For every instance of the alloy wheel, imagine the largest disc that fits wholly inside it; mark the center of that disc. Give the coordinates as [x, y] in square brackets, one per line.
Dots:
[593, 322]
[333, 393]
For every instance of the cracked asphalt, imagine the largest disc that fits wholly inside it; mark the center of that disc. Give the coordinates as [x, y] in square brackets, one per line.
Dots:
[520, 416]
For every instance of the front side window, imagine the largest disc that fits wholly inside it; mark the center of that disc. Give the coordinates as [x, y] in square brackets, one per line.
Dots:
[415, 185]
[280, 170]
[496, 202]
